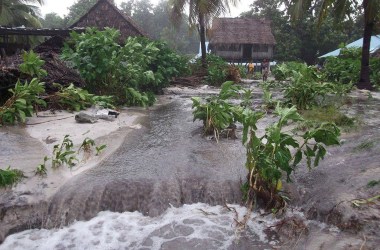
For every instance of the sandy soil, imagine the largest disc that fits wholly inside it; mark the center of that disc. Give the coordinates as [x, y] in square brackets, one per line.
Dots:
[35, 140]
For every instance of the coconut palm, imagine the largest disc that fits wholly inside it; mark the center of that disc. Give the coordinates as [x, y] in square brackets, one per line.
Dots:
[371, 10]
[200, 14]
[19, 12]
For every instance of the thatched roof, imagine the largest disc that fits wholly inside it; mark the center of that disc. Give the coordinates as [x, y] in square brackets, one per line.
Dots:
[241, 31]
[106, 14]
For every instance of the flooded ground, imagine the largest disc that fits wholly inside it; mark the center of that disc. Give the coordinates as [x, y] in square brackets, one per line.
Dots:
[168, 163]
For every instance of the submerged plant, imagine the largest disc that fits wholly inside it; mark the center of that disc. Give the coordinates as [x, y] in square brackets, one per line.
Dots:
[217, 113]
[63, 153]
[275, 152]
[99, 149]
[9, 177]
[41, 169]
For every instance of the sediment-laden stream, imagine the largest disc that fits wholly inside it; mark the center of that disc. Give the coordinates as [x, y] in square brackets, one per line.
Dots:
[143, 186]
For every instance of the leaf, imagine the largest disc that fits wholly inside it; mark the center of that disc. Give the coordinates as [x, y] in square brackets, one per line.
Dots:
[297, 158]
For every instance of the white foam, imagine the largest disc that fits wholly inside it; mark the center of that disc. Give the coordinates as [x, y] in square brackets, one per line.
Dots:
[190, 226]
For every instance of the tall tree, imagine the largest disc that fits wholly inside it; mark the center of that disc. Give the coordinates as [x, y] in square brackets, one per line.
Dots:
[77, 10]
[200, 14]
[291, 37]
[342, 8]
[154, 20]
[52, 20]
[19, 12]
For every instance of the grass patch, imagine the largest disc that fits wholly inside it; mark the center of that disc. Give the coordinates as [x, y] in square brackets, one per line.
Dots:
[318, 115]
[364, 146]
[9, 177]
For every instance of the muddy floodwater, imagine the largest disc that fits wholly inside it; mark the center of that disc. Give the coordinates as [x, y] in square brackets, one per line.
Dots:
[166, 186]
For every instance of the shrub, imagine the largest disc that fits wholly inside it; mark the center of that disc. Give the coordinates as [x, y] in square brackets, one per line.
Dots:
[270, 155]
[346, 67]
[21, 104]
[76, 99]
[216, 114]
[111, 69]
[9, 177]
[32, 65]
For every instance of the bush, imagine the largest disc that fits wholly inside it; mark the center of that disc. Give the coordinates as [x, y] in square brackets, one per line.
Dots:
[111, 69]
[345, 68]
[32, 65]
[21, 104]
[76, 99]
[271, 155]
[216, 114]
[286, 70]
[9, 177]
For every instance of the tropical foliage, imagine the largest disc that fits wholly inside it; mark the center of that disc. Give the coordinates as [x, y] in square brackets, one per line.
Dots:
[140, 65]
[19, 12]
[9, 176]
[22, 102]
[269, 155]
[340, 9]
[345, 69]
[217, 113]
[278, 152]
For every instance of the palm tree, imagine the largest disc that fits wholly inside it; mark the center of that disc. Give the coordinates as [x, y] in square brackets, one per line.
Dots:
[200, 14]
[341, 7]
[19, 12]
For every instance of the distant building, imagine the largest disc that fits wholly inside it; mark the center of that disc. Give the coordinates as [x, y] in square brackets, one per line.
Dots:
[105, 14]
[242, 39]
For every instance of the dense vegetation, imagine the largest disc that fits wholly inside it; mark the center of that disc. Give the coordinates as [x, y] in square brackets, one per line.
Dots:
[130, 73]
[345, 68]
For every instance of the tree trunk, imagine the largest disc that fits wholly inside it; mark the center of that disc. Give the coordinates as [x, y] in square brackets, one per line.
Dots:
[202, 34]
[365, 82]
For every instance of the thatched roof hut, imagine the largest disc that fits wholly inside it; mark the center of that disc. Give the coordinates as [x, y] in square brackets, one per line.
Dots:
[242, 39]
[105, 14]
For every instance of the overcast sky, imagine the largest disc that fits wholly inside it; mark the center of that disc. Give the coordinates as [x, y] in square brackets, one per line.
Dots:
[60, 6]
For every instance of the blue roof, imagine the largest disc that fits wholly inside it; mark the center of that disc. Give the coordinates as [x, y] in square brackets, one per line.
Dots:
[375, 45]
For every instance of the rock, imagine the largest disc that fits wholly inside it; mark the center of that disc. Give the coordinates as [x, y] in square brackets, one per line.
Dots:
[82, 117]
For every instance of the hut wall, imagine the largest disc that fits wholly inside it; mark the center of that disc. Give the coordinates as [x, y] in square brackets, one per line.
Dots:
[229, 54]
[262, 55]
[104, 16]
[238, 55]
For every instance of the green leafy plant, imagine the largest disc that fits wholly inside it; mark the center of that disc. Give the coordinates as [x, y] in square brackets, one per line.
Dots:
[76, 99]
[275, 152]
[63, 153]
[41, 169]
[9, 177]
[99, 149]
[268, 102]
[32, 65]
[21, 104]
[144, 65]
[345, 68]
[86, 147]
[305, 93]
[216, 113]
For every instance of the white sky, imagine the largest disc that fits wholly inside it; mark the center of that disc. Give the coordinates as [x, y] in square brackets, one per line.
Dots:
[61, 6]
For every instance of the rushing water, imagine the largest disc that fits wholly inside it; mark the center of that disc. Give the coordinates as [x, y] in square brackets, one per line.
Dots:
[196, 226]
[135, 198]
[168, 162]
